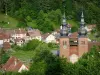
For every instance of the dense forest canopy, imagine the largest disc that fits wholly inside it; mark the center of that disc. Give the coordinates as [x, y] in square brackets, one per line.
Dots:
[48, 12]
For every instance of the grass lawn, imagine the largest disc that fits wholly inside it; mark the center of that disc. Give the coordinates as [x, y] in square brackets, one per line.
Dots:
[12, 22]
[24, 56]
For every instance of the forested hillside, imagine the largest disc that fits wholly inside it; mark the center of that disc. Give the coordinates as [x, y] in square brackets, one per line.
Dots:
[46, 14]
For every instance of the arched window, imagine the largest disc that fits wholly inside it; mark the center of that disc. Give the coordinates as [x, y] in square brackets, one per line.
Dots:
[64, 44]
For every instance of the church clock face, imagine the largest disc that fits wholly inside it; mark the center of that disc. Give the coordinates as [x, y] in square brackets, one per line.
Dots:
[65, 46]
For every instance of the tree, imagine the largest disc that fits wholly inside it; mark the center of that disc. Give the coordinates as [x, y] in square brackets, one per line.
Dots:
[32, 45]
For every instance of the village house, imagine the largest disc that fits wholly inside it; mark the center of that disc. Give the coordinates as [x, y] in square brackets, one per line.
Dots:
[19, 41]
[49, 38]
[33, 34]
[14, 64]
[19, 36]
[89, 28]
[4, 38]
[1, 40]
[18, 33]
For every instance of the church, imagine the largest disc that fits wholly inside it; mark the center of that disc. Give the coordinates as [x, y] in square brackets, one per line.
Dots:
[72, 48]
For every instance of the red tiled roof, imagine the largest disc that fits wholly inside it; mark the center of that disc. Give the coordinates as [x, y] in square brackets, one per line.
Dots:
[1, 36]
[6, 45]
[13, 64]
[9, 32]
[74, 35]
[4, 36]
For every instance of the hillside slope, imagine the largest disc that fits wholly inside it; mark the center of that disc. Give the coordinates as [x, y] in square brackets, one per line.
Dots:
[7, 21]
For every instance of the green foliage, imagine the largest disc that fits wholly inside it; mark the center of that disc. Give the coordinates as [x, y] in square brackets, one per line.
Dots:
[5, 19]
[12, 73]
[45, 63]
[47, 13]
[4, 58]
[98, 27]
[32, 45]
[74, 29]
[21, 24]
[50, 64]
[15, 47]
[87, 65]
[48, 22]
[20, 8]
[53, 46]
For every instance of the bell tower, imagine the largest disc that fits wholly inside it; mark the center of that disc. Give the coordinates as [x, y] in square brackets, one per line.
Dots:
[82, 38]
[64, 39]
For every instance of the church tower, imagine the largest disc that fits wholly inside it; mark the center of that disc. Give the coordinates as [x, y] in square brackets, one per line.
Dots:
[82, 38]
[64, 39]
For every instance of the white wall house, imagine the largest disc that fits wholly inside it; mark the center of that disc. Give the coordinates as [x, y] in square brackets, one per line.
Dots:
[4, 38]
[19, 42]
[1, 43]
[22, 68]
[50, 38]
[18, 33]
[90, 27]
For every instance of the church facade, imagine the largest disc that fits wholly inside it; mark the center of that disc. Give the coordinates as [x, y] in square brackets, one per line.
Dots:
[73, 48]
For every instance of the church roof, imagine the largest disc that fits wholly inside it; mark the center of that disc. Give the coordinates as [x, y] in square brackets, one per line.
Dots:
[74, 35]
